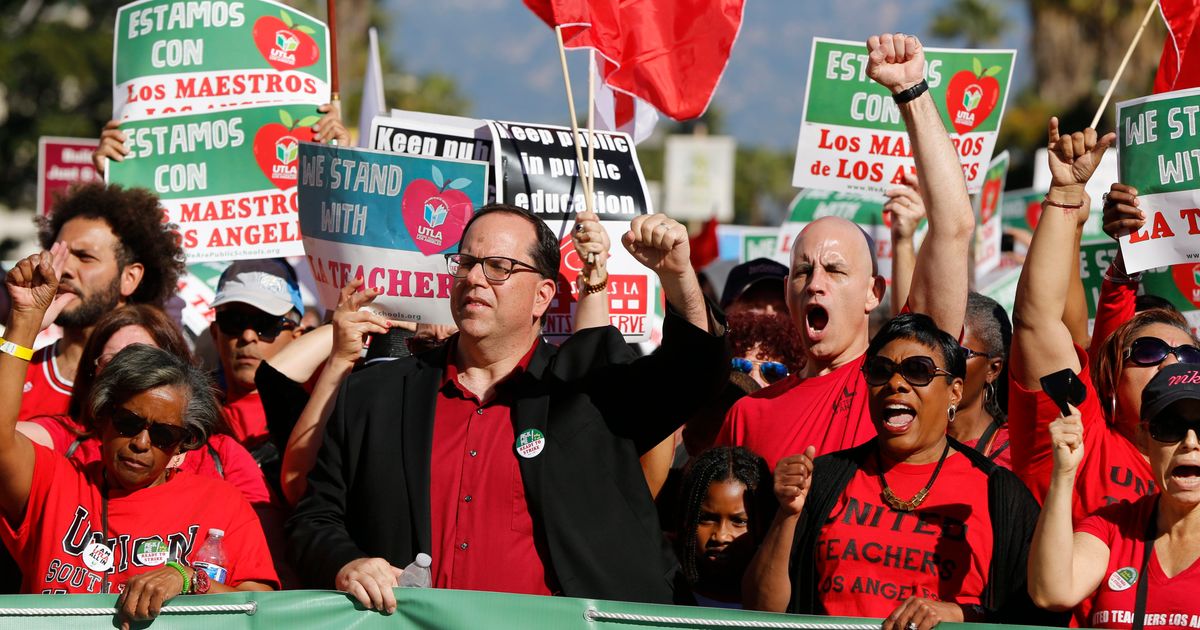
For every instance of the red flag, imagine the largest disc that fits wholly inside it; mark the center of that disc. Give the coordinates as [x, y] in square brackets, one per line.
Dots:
[668, 53]
[1179, 67]
[705, 247]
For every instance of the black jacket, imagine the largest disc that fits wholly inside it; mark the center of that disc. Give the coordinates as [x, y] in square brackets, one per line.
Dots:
[1011, 507]
[368, 493]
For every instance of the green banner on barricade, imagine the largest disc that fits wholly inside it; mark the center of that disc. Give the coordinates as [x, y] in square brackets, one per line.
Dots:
[417, 608]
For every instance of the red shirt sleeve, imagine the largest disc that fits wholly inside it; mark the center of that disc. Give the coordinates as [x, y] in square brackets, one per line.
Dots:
[1116, 305]
[60, 433]
[1102, 523]
[47, 465]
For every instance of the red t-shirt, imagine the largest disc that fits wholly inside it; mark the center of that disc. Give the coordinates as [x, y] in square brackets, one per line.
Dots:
[1112, 470]
[1170, 602]
[870, 557]
[482, 531]
[237, 465]
[1116, 305]
[247, 420]
[65, 514]
[1000, 448]
[47, 393]
[828, 412]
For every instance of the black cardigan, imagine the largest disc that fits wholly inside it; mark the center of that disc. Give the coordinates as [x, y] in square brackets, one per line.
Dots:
[1011, 507]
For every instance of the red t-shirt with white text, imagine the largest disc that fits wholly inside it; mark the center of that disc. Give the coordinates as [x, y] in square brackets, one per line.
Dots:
[870, 557]
[1112, 470]
[1170, 602]
[827, 411]
[46, 392]
[65, 513]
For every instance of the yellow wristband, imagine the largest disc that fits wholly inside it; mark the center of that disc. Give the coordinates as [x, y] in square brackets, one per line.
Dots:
[21, 352]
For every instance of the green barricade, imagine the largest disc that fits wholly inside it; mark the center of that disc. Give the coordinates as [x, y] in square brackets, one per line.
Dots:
[418, 608]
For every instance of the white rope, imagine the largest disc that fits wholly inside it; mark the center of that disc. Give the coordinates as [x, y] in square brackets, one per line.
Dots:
[248, 608]
[595, 615]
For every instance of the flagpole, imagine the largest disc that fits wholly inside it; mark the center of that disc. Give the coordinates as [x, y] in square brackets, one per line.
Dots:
[335, 96]
[562, 55]
[1121, 69]
[591, 172]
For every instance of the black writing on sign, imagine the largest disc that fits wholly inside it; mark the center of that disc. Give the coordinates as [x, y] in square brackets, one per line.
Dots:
[410, 141]
[538, 168]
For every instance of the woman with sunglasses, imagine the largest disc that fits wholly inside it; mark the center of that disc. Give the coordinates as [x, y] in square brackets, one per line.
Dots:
[221, 457]
[1130, 564]
[1049, 370]
[981, 421]
[911, 526]
[127, 523]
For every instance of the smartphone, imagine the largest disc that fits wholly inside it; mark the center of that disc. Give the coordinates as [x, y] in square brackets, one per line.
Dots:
[1064, 387]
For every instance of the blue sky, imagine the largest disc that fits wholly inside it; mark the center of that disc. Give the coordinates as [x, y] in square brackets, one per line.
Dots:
[506, 62]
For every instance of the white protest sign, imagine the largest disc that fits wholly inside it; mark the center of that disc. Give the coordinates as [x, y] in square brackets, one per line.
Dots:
[698, 171]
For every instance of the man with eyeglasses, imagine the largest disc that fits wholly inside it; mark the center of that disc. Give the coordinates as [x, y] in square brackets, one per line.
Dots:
[514, 464]
[258, 307]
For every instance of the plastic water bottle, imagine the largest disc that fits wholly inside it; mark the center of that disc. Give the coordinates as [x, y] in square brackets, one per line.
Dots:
[417, 574]
[211, 557]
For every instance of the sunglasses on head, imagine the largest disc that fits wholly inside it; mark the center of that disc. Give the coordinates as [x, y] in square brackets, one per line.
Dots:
[919, 371]
[163, 436]
[265, 325]
[1148, 351]
[772, 371]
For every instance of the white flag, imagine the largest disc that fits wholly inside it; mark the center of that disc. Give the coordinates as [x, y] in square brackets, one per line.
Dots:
[372, 94]
[619, 111]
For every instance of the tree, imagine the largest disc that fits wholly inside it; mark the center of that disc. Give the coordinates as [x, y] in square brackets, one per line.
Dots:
[978, 22]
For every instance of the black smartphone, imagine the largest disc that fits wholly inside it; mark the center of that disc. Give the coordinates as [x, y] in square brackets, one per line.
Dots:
[1064, 387]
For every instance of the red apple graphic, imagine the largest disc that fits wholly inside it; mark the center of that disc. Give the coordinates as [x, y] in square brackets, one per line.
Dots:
[284, 45]
[971, 96]
[436, 212]
[276, 147]
[1033, 212]
[988, 199]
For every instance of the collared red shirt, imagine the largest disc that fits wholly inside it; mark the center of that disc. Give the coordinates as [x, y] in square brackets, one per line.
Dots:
[481, 527]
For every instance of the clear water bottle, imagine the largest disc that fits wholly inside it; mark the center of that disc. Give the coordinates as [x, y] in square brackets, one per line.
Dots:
[211, 557]
[417, 574]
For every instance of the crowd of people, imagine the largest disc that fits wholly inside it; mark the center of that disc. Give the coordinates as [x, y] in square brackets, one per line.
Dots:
[776, 452]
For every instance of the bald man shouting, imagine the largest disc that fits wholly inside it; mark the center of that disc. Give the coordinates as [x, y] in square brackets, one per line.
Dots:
[834, 285]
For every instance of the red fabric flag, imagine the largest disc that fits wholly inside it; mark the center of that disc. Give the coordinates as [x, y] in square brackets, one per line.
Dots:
[1179, 67]
[705, 247]
[670, 53]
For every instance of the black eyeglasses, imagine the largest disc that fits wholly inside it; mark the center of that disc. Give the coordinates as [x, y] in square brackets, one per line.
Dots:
[971, 354]
[267, 326]
[772, 371]
[1147, 351]
[1169, 428]
[918, 371]
[163, 436]
[495, 268]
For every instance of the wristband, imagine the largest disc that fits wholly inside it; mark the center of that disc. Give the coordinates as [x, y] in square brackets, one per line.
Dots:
[183, 573]
[589, 289]
[1066, 206]
[13, 349]
[911, 93]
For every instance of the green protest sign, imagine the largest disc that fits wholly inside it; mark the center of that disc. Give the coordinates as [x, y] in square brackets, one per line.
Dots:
[226, 178]
[852, 136]
[173, 56]
[1022, 208]
[1158, 140]
[864, 209]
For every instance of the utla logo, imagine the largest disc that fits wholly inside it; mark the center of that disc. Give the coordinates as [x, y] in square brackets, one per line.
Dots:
[436, 211]
[284, 45]
[1187, 280]
[277, 147]
[971, 96]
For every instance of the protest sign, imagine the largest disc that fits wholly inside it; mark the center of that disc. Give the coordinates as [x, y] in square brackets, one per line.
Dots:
[1158, 138]
[62, 162]
[172, 56]
[852, 137]
[864, 209]
[198, 288]
[740, 243]
[987, 217]
[1022, 208]
[698, 171]
[1178, 284]
[388, 219]
[536, 169]
[226, 178]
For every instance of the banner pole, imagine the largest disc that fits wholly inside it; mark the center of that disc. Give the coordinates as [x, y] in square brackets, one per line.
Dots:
[591, 126]
[335, 97]
[1121, 69]
[583, 181]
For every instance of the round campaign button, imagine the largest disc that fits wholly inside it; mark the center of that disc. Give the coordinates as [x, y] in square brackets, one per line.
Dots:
[530, 443]
[1123, 579]
[98, 557]
[152, 553]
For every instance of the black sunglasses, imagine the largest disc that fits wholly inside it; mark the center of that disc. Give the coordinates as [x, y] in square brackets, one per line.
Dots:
[918, 371]
[1169, 428]
[265, 325]
[1148, 351]
[772, 371]
[163, 436]
[971, 354]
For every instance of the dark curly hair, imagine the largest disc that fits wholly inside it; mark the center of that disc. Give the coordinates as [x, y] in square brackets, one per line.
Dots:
[136, 219]
[773, 333]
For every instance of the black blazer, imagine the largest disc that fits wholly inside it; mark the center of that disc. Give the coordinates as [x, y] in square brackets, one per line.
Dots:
[368, 493]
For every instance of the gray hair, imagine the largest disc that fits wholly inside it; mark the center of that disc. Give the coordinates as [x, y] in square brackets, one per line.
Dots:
[140, 367]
